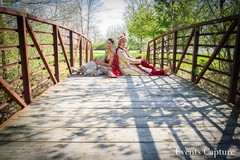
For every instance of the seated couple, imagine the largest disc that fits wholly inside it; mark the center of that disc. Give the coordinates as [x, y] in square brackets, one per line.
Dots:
[120, 62]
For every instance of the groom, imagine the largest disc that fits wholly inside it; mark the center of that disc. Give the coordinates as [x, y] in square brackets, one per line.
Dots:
[129, 65]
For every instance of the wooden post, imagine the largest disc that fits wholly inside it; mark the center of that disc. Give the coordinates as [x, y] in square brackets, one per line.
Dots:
[56, 56]
[174, 52]
[235, 68]
[195, 53]
[24, 58]
[71, 48]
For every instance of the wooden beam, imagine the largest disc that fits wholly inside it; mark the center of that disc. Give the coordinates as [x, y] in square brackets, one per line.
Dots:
[23, 48]
[235, 68]
[64, 52]
[40, 51]
[217, 50]
[12, 94]
[185, 50]
[56, 55]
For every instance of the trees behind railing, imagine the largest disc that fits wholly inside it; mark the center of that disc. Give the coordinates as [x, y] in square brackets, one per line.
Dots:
[206, 53]
[35, 53]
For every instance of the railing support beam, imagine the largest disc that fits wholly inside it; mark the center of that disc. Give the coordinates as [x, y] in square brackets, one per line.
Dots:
[24, 58]
[81, 57]
[154, 52]
[40, 51]
[162, 53]
[185, 50]
[217, 50]
[71, 48]
[174, 52]
[12, 94]
[64, 52]
[195, 53]
[55, 49]
[235, 69]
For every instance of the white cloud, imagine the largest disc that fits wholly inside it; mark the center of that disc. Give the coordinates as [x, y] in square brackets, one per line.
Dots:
[111, 14]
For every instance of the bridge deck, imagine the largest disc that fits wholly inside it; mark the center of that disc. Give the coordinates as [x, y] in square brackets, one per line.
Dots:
[123, 118]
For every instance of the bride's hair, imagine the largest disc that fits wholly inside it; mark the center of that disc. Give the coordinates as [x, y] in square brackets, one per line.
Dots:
[111, 40]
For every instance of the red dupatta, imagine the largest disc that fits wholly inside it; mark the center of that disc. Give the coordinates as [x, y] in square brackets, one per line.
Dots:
[115, 66]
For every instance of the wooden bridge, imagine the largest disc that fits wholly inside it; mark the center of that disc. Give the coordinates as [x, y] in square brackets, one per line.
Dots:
[133, 117]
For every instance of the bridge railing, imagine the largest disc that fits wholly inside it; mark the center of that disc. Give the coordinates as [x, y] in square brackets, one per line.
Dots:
[34, 54]
[207, 54]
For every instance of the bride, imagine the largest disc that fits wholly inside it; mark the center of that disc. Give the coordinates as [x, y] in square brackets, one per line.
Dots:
[98, 66]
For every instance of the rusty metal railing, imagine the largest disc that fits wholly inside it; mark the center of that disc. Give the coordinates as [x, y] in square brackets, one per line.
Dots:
[207, 54]
[34, 54]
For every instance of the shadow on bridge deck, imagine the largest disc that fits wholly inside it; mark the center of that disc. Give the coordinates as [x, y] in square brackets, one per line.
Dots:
[124, 118]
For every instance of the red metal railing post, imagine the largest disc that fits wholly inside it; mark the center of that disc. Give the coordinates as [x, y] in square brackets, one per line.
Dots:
[71, 48]
[148, 53]
[80, 52]
[154, 52]
[235, 69]
[91, 52]
[24, 58]
[86, 51]
[174, 52]
[162, 53]
[195, 53]
[55, 49]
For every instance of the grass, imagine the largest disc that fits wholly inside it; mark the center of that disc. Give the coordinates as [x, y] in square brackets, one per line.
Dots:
[100, 53]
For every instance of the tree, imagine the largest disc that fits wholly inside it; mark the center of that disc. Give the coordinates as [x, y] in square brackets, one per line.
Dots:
[77, 14]
[92, 8]
[115, 31]
[79, 4]
[143, 23]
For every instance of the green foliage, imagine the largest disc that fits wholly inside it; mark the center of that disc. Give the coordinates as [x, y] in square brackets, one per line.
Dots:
[196, 71]
[100, 53]
[144, 22]
[99, 46]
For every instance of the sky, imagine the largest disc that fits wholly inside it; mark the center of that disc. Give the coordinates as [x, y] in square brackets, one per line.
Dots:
[111, 14]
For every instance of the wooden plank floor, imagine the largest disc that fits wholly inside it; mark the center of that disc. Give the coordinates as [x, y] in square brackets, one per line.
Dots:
[132, 118]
